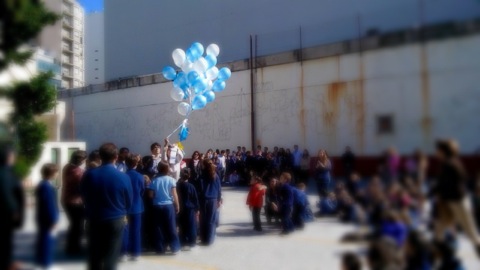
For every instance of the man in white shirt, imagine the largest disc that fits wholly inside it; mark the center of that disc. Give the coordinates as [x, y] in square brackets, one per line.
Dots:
[173, 156]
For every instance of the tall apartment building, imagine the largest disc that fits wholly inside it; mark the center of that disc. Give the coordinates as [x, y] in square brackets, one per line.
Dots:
[94, 48]
[65, 40]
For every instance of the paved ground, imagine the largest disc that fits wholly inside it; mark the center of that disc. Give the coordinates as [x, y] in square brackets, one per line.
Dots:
[238, 247]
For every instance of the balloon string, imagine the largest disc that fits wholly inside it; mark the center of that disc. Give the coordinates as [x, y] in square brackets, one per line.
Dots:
[175, 130]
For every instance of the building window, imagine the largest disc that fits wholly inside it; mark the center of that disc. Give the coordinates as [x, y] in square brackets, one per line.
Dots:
[385, 125]
[96, 78]
[96, 60]
[96, 69]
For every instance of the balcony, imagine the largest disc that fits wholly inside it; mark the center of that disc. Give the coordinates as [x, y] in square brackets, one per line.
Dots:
[68, 37]
[67, 24]
[67, 49]
[67, 74]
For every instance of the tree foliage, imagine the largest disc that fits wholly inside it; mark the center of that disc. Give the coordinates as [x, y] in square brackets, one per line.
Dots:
[21, 21]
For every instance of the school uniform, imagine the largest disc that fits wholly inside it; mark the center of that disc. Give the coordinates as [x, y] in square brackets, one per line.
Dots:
[210, 195]
[132, 241]
[255, 201]
[46, 217]
[107, 194]
[300, 208]
[165, 216]
[286, 207]
[187, 218]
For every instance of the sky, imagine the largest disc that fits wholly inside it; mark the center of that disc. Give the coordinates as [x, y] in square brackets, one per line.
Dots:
[92, 5]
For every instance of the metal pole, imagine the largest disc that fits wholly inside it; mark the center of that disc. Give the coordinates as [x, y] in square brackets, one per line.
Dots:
[300, 53]
[252, 100]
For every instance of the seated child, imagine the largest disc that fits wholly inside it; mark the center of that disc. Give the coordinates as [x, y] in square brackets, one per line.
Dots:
[328, 206]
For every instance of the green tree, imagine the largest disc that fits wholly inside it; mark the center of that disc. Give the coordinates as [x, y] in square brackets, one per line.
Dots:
[20, 22]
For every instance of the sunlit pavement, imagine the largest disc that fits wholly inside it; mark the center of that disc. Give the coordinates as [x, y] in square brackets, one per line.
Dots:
[238, 247]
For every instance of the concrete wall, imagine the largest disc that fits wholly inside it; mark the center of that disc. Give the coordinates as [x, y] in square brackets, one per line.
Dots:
[430, 91]
[141, 34]
[94, 48]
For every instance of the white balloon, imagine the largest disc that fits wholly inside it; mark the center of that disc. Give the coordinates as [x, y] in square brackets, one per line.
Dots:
[183, 108]
[209, 86]
[178, 56]
[212, 73]
[177, 94]
[187, 67]
[200, 66]
[213, 49]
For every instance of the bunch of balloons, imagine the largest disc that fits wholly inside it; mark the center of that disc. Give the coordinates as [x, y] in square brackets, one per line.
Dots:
[196, 81]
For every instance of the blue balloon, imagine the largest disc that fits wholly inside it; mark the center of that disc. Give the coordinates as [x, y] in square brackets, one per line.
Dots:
[192, 55]
[199, 85]
[211, 60]
[169, 73]
[210, 96]
[198, 48]
[218, 86]
[183, 134]
[199, 102]
[181, 81]
[192, 77]
[224, 74]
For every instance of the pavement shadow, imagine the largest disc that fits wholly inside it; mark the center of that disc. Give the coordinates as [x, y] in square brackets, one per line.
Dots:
[245, 229]
[24, 248]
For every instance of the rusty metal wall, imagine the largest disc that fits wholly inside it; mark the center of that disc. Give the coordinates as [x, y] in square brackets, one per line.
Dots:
[431, 90]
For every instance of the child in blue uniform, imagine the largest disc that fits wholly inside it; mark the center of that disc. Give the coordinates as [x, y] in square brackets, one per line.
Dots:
[286, 203]
[163, 191]
[210, 197]
[132, 241]
[189, 210]
[46, 215]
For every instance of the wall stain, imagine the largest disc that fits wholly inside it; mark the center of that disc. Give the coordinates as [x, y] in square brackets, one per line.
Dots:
[335, 94]
[360, 106]
[426, 120]
[303, 127]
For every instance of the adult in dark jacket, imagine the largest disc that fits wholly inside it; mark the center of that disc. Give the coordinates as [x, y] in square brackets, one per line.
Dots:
[450, 193]
[107, 194]
[72, 203]
[11, 205]
[210, 198]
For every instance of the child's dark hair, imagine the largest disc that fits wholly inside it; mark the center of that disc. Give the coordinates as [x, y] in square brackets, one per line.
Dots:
[301, 186]
[257, 179]
[49, 170]
[185, 173]
[350, 261]
[132, 161]
[163, 168]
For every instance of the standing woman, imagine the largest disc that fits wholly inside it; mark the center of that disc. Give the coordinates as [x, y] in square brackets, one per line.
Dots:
[194, 166]
[322, 173]
[451, 193]
[210, 197]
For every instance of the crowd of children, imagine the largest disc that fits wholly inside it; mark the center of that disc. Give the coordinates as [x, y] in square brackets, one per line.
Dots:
[172, 204]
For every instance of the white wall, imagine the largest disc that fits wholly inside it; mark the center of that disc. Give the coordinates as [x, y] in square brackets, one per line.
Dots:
[323, 103]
